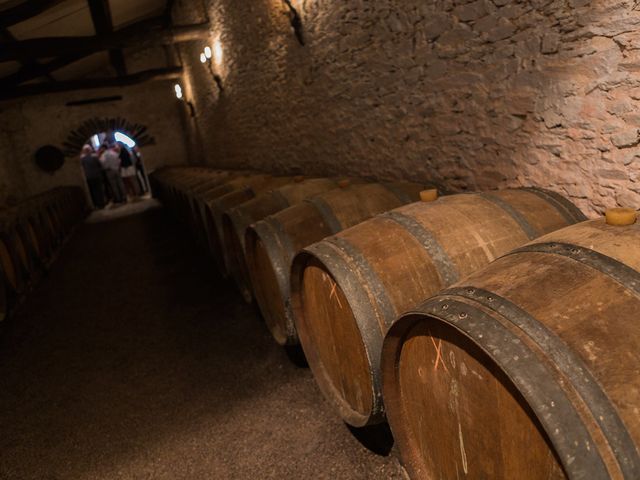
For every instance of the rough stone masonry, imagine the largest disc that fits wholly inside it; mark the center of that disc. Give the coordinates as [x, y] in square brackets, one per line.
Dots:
[476, 95]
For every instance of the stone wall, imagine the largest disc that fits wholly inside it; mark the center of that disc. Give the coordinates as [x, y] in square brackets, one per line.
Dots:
[28, 123]
[477, 95]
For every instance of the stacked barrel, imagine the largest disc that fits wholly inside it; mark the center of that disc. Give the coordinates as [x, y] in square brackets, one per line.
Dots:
[31, 234]
[494, 331]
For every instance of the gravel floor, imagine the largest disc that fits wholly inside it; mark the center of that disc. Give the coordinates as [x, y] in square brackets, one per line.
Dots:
[133, 360]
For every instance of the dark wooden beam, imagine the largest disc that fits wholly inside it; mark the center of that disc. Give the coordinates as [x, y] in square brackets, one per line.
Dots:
[139, 35]
[26, 64]
[167, 15]
[103, 24]
[170, 73]
[24, 11]
[32, 71]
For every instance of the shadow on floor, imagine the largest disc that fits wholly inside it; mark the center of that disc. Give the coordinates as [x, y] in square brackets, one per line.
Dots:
[133, 360]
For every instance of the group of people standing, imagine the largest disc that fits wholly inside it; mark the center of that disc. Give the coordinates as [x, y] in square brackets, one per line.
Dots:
[113, 173]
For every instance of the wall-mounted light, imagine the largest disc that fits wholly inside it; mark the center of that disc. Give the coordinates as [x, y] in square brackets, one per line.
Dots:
[206, 57]
[180, 96]
[296, 21]
[217, 51]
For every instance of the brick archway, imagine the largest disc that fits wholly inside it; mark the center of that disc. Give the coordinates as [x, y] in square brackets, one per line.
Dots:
[79, 136]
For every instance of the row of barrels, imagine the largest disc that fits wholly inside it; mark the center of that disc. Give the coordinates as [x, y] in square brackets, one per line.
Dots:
[496, 331]
[31, 234]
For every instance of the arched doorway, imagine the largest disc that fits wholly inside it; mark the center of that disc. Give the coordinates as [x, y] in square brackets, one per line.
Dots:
[125, 176]
[113, 168]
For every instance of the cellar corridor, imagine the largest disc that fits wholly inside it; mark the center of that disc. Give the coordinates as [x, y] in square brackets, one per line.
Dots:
[134, 359]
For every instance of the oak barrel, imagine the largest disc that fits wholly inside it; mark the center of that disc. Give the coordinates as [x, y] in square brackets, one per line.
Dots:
[271, 244]
[236, 221]
[11, 261]
[4, 302]
[215, 203]
[542, 348]
[349, 288]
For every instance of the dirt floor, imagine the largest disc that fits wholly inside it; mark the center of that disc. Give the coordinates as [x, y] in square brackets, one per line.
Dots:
[132, 359]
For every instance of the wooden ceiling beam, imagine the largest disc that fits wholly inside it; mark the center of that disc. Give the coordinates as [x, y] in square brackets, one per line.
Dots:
[170, 73]
[139, 35]
[32, 71]
[103, 25]
[24, 11]
[25, 64]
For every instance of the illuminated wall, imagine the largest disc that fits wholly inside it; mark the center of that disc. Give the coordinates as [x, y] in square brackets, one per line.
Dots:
[476, 95]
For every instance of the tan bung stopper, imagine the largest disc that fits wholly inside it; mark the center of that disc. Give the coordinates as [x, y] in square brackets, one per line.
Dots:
[298, 178]
[344, 183]
[621, 216]
[430, 195]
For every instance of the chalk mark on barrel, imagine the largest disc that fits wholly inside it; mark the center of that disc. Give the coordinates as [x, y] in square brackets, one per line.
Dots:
[463, 453]
[438, 348]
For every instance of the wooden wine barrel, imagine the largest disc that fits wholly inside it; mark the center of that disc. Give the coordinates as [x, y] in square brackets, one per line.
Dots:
[529, 367]
[236, 221]
[348, 289]
[271, 243]
[43, 232]
[233, 193]
[179, 189]
[24, 249]
[10, 263]
[193, 198]
[4, 300]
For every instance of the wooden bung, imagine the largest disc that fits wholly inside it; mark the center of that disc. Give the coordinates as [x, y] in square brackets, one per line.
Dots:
[348, 289]
[528, 367]
[236, 221]
[621, 216]
[271, 244]
[430, 195]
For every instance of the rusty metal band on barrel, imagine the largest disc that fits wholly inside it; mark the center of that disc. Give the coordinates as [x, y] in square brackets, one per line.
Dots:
[271, 229]
[573, 368]
[445, 267]
[551, 404]
[568, 210]
[326, 213]
[239, 221]
[526, 227]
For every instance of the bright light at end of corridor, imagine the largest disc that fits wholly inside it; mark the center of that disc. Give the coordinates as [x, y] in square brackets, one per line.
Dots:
[127, 140]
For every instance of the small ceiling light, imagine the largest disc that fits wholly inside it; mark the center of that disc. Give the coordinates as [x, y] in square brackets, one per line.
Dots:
[178, 90]
[217, 52]
[203, 58]
[207, 51]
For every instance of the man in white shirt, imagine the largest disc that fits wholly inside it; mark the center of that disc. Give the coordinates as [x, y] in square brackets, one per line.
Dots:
[110, 161]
